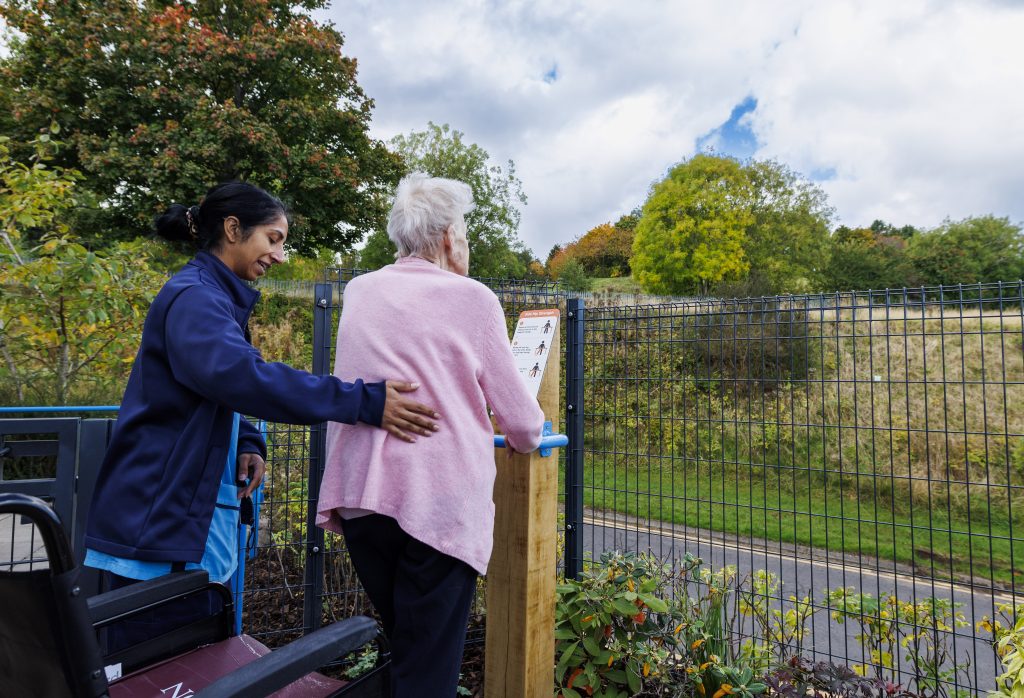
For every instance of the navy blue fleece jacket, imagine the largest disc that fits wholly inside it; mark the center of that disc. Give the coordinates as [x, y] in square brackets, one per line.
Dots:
[195, 367]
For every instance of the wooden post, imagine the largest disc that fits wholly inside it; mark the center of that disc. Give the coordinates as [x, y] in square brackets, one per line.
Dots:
[520, 651]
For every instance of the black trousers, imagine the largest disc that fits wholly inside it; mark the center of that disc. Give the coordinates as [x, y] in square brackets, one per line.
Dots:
[423, 597]
[153, 623]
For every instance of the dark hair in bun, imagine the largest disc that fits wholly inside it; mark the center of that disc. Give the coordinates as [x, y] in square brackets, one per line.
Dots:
[202, 226]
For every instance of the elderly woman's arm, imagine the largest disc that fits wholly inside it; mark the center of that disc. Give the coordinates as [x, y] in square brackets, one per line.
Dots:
[516, 410]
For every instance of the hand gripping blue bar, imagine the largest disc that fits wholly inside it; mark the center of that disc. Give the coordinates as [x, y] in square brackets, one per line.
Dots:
[548, 441]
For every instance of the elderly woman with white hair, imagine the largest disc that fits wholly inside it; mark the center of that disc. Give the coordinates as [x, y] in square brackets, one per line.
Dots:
[419, 519]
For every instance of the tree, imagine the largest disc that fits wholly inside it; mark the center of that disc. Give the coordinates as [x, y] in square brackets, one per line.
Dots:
[973, 250]
[68, 316]
[74, 317]
[866, 258]
[603, 251]
[532, 266]
[787, 244]
[492, 225]
[574, 277]
[714, 221]
[693, 227]
[379, 251]
[33, 196]
[880, 227]
[159, 100]
[629, 220]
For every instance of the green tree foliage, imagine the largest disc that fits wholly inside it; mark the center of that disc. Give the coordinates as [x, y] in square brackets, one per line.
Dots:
[880, 227]
[534, 269]
[866, 258]
[379, 251]
[70, 318]
[493, 225]
[574, 277]
[629, 221]
[34, 196]
[715, 222]
[787, 244]
[972, 250]
[693, 227]
[74, 318]
[159, 100]
[603, 251]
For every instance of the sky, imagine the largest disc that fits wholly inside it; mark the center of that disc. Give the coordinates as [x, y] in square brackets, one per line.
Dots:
[910, 111]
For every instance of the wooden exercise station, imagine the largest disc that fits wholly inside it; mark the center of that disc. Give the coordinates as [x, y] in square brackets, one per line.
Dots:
[520, 638]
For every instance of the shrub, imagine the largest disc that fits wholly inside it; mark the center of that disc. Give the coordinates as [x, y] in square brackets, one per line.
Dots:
[923, 630]
[612, 634]
[751, 344]
[1009, 646]
[574, 277]
[782, 632]
[801, 679]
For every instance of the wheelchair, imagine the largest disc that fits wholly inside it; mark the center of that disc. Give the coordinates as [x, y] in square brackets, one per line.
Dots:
[50, 636]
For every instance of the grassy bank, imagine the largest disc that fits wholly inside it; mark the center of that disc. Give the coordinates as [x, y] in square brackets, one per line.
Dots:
[890, 434]
[828, 510]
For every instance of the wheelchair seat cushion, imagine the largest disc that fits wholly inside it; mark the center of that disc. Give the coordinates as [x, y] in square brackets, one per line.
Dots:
[189, 672]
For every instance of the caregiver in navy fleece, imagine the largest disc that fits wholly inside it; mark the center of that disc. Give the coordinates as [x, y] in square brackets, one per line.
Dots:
[195, 373]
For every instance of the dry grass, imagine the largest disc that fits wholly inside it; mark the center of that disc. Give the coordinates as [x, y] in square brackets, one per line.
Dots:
[924, 395]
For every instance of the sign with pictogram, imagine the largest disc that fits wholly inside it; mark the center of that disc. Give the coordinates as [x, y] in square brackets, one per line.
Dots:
[532, 342]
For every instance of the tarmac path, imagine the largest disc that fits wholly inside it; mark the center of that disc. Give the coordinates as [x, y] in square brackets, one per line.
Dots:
[803, 570]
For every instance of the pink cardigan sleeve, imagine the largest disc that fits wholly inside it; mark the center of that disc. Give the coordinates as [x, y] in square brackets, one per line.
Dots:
[517, 411]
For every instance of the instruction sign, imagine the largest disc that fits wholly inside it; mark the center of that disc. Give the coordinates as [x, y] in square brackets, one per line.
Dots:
[531, 343]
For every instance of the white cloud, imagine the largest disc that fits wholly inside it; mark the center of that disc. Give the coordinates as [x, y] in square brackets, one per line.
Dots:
[915, 106]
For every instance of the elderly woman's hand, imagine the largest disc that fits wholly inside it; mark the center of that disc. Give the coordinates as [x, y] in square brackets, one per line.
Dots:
[404, 417]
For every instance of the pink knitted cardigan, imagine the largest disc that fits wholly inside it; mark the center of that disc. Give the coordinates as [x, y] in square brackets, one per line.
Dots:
[413, 321]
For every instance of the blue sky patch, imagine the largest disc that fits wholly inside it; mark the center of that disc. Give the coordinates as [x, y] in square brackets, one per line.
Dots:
[734, 136]
[822, 174]
[552, 74]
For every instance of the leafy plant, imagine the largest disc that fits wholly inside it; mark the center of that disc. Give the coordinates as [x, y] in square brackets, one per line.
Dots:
[1009, 646]
[782, 632]
[365, 661]
[703, 599]
[923, 630]
[801, 679]
[710, 665]
[612, 633]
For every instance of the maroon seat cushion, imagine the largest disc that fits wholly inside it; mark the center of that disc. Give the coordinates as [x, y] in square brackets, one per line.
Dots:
[189, 672]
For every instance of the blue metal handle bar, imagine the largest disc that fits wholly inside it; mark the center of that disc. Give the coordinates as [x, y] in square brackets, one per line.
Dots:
[547, 442]
[65, 408]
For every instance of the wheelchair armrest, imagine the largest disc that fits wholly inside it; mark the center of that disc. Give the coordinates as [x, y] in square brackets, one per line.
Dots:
[293, 661]
[111, 605]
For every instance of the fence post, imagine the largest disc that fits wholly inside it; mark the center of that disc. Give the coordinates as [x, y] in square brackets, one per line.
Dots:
[313, 581]
[574, 430]
[93, 437]
[519, 659]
